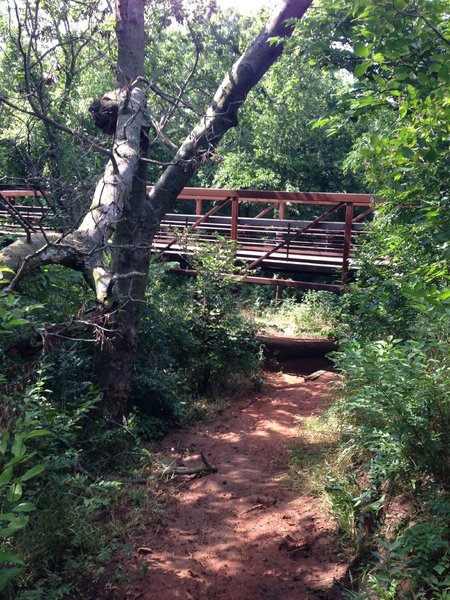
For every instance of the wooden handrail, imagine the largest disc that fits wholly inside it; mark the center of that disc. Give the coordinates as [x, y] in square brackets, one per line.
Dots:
[270, 196]
[23, 193]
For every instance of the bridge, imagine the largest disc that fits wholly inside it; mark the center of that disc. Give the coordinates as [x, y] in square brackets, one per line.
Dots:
[275, 239]
[287, 235]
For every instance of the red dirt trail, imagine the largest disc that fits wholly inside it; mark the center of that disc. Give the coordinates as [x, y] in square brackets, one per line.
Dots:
[243, 533]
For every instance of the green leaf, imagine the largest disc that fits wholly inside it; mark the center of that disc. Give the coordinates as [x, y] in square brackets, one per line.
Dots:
[6, 575]
[407, 152]
[361, 50]
[6, 475]
[25, 507]
[18, 448]
[33, 472]
[361, 69]
[19, 523]
[320, 123]
[7, 557]
[379, 80]
[6, 532]
[444, 73]
[37, 433]
[14, 493]
[440, 568]
[17, 321]
[7, 516]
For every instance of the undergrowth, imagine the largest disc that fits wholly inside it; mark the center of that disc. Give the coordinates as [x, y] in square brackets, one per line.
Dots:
[313, 454]
[314, 314]
[392, 498]
[67, 498]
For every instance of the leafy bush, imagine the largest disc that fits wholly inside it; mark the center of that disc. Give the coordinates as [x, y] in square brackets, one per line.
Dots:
[397, 404]
[412, 563]
[15, 471]
[50, 502]
[317, 314]
[310, 313]
[194, 340]
[17, 466]
[395, 412]
[67, 533]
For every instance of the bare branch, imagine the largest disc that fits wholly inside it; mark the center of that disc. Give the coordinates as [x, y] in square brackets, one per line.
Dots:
[162, 136]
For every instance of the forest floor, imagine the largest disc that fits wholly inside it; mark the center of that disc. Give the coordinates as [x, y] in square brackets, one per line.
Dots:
[246, 532]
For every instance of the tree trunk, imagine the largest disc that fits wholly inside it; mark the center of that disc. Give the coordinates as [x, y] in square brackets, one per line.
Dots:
[130, 251]
[139, 225]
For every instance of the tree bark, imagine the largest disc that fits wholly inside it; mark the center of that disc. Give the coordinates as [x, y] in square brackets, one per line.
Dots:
[130, 249]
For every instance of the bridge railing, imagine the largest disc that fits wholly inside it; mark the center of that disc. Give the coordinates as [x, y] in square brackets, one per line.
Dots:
[22, 219]
[279, 243]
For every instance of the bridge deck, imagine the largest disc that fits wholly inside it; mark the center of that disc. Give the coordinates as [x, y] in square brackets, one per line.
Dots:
[281, 245]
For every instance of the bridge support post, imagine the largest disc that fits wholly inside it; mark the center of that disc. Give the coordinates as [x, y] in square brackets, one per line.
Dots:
[347, 241]
[234, 218]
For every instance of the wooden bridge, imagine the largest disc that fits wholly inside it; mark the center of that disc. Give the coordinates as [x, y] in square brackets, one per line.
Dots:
[274, 240]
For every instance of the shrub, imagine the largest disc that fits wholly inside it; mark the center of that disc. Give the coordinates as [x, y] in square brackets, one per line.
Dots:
[395, 412]
[194, 340]
[397, 405]
[317, 314]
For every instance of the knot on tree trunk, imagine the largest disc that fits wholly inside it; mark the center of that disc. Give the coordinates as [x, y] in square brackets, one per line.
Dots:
[104, 111]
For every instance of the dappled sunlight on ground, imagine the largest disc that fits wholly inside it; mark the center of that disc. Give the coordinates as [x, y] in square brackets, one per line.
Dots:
[243, 533]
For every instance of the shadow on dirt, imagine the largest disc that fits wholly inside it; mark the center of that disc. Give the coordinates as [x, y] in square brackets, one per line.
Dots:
[243, 533]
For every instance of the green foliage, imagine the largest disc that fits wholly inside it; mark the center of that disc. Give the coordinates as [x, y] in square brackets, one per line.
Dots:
[311, 314]
[16, 464]
[15, 471]
[11, 313]
[397, 399]
[394, 359]
[318, 314]
[68, 532]
[194, 341]
[52, 507]
[275, 146]
[414, 564]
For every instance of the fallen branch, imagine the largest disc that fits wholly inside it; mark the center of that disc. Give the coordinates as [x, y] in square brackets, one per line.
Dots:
[314, 375]
[171, 471]
[244, 512]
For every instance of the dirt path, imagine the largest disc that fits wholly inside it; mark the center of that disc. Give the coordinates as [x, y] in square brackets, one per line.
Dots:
[243, 533]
